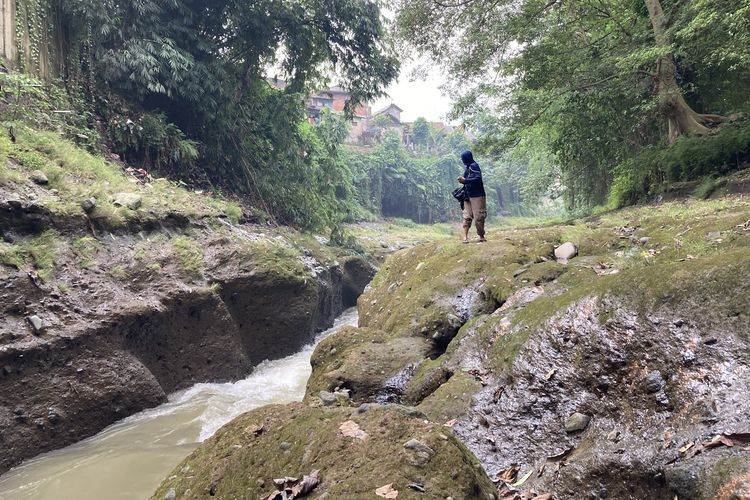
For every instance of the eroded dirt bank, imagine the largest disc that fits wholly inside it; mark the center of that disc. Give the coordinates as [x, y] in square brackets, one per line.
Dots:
[125, 317]
[623, 373]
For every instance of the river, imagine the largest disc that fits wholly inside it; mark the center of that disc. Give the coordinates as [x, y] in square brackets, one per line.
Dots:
[129, 459]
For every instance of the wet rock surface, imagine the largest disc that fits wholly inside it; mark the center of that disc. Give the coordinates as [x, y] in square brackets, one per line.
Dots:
[623, 374]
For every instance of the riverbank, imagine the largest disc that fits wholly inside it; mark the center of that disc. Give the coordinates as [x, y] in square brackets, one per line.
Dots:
[129, 458]
[116, 291]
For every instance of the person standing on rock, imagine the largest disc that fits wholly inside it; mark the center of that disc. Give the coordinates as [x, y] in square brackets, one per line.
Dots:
[475, 203]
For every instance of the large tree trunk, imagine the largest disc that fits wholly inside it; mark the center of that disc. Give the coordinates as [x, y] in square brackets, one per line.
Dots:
[681, 118]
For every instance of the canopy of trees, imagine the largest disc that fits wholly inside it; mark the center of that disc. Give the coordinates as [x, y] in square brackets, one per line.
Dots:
[182, 85]
[595, 83]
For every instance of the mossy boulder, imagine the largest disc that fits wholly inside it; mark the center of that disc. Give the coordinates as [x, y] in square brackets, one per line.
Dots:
[362, 360]
[356, 453]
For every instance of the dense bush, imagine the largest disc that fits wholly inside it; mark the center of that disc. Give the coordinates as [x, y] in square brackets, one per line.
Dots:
[688, 159]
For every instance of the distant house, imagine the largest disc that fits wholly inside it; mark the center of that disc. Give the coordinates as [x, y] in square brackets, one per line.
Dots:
[392, 111]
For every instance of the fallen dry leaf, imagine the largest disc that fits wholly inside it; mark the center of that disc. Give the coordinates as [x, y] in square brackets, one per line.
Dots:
[450, 423]
[686, 447]
[255, 430]
[387, 491]
[507, 475]
[523, 479]
[550, 374]
[351, 429]
[559, 457]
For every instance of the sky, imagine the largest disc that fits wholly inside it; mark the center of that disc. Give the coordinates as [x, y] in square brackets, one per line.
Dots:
[417, 96]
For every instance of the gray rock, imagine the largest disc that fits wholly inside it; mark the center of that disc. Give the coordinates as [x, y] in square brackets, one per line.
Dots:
[454, 321]
[643, 240]
[565, 252]
[129, 200]
[53, 416]
[417, 445]
[364, 407]
[14, 201]
[170, 495]
[393, 287]
[284, 445]
[577, 422]
[88, 205]
[327, 398]
[654, 382]
[613, 436]
[36, 323]
[38, 177]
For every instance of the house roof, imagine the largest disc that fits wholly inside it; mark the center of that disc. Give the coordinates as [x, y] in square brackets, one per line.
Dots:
[391, 105]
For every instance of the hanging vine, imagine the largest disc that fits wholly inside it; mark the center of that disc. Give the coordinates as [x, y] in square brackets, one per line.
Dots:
[21, 52]
[34, 26]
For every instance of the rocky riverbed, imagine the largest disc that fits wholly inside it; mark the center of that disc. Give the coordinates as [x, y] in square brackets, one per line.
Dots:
[618, 370]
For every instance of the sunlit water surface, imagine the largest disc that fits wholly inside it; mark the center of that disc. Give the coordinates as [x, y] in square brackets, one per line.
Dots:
[129, 459]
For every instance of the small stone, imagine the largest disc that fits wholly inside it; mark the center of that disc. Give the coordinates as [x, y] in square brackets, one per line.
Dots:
[88, 205]
[577, 422]
[419, 446]
[688, 357]
[53, 416]
[613, 436]
[327, 398]
[170, 495]
[38, 177]
[565, 252]
[419, 266]
[14, 201]
[129, 200]
[653, 382]
[643, 240]
[284, 445]
[393, 287]
[519, 272]
[36, 324]
[453, 320]
[678, 322]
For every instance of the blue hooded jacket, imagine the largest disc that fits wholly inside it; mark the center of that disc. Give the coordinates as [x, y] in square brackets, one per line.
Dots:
[472, 176]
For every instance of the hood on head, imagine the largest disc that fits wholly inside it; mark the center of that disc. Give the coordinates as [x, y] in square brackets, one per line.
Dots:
[467, 158]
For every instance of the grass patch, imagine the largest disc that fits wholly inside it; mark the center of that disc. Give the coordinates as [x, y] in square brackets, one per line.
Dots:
[84, 249]
[37, 253]
[189, 255]
[118, 272]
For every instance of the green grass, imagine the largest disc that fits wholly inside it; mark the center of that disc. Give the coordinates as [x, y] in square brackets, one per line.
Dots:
[83, 249]
[77, 174]
[189, 255]
[118, 272]
[37, 253]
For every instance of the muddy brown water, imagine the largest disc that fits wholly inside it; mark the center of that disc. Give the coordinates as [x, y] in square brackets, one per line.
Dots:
[129, 459]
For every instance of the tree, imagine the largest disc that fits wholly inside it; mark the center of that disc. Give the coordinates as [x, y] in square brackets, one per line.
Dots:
[202, 66]
[421, 132]
[604, 79]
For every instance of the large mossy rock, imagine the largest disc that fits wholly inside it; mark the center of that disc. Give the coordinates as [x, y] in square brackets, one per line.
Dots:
[362, 360]
[355, 454]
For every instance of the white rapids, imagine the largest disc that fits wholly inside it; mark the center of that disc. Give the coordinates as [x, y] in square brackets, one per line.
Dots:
[129, 459]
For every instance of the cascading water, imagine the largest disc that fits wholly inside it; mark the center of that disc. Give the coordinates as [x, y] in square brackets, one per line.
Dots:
[129, 459]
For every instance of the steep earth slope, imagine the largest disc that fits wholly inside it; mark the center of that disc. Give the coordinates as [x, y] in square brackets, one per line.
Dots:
[622, 373]
[115, 291]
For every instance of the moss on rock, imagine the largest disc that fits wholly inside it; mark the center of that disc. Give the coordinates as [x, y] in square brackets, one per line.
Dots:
[244, 457]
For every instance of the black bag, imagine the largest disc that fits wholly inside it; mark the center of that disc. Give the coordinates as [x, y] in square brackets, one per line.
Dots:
[460, 193]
